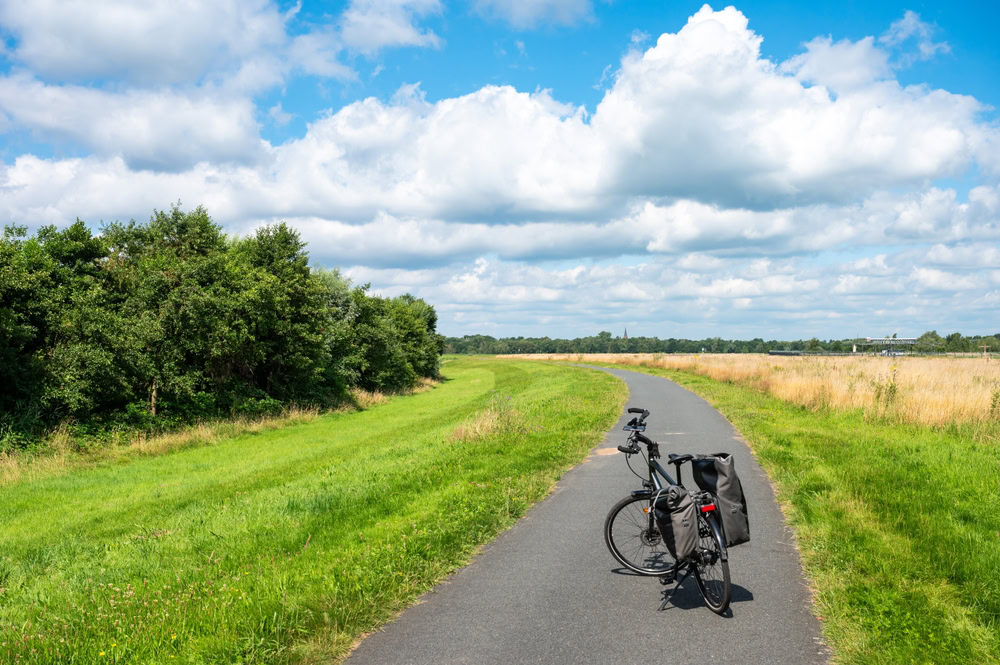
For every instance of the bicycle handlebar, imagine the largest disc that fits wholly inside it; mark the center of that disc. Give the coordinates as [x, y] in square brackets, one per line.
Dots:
[636, 436]
[642, 438]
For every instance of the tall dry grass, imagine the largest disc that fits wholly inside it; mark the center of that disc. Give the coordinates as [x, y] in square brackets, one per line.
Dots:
[499, 415]
[917, 390]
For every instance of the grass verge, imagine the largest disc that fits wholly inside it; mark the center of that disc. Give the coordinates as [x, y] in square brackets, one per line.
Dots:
[898, 525]
[61, 452]
[285, 545]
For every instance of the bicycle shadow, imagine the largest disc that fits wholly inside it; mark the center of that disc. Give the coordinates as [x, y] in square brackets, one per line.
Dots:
[629, 573]
[688, 597]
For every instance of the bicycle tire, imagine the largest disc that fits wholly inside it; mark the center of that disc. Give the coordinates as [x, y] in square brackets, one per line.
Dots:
[631, 542]
[712, 570]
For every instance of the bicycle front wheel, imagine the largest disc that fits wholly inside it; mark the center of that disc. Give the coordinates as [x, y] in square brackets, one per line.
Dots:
[631, 534]
[711, 569]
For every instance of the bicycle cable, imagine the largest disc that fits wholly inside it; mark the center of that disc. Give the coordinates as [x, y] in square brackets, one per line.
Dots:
[629, 463]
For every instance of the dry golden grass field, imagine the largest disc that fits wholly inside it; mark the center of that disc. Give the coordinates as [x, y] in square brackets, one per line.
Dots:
[920, 390]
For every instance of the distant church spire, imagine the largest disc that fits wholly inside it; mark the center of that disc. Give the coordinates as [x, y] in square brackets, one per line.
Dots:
[625, 336]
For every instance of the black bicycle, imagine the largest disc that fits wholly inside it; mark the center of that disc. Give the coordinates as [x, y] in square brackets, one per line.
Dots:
[633, 535]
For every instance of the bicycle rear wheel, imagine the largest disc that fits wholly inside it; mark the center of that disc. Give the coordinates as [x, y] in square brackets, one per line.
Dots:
[634, 539]
[711, 570]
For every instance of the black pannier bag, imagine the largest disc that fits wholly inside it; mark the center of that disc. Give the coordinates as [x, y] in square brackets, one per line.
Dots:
[717, 474]
[677, 518]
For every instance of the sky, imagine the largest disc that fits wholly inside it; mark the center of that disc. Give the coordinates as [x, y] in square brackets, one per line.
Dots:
[543, 167]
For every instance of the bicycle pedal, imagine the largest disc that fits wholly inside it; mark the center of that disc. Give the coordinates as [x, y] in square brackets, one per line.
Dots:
[667, 579]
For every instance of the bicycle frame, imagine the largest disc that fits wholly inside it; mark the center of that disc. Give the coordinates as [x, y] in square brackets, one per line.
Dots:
[654, 469]
[653, 485]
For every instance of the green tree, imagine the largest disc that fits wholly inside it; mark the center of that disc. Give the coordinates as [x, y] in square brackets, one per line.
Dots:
[955, 343]
[930, 341]
[383, 362]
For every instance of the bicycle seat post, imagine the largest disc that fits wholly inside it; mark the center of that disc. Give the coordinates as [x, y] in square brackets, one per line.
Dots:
[677, 469]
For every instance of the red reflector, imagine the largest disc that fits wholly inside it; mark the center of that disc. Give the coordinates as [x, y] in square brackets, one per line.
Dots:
[708, 508]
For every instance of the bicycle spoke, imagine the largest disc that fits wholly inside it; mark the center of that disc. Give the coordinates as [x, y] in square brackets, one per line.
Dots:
[634, 540]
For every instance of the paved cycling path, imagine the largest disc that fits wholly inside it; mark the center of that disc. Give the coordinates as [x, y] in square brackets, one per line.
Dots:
[548, 591]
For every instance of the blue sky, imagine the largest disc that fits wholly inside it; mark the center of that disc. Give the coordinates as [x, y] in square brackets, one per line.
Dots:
[544, 167]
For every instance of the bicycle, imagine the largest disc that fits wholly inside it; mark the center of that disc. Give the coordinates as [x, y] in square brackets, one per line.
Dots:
[634, 538]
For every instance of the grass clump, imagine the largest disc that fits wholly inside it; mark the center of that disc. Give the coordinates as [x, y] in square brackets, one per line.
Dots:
[498, 415]
[283, 545]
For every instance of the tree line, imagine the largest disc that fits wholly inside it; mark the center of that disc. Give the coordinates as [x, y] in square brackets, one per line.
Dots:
[604, 342]
[150, 325]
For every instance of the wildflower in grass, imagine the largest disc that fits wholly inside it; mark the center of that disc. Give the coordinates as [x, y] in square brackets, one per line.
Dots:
[101, 654]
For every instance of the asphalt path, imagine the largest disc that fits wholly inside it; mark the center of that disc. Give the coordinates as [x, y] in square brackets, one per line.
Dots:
[548, 590]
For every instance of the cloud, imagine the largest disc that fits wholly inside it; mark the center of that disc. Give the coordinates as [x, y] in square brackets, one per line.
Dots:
[499, 297]
[368, 26]
[870, 265]
[701, 115]
[343, 221]
[246, 46]
[148, 43]
[317, 53]
[964, 255]
[527, 14]
[911, 27]
[154, 43]
[638, 37]
[279, 116]
[940, 280]
[840, 66]
[159, 129]
[698, 262]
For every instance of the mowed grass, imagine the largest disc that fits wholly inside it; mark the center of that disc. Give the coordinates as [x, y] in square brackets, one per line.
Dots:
[288, 544]
[898, 525]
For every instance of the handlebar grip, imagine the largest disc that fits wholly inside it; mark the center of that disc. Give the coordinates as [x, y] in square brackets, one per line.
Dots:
[627, 451]
[644, 412]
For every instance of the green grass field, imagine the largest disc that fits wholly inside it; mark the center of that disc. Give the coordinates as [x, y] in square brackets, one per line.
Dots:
[899, 526]
[287, 545]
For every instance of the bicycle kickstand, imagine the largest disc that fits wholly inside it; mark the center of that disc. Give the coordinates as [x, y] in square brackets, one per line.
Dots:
[670, 595]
